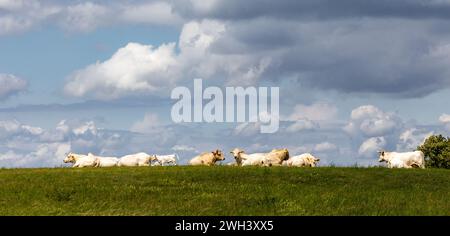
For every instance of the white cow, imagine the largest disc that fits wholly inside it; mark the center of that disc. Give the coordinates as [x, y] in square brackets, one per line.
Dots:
[167, 159]
[403, 159]
[138, 159]
[80, 160]
[104, 161]
[243, 159]
[305, 159]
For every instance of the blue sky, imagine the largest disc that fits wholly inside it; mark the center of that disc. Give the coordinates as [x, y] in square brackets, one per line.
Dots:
[96, 76]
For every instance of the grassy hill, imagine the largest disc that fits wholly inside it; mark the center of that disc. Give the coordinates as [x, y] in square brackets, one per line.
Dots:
[224, 190]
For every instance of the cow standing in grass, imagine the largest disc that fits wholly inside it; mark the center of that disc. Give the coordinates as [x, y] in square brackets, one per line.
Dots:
[80, 160]
[207, 158]
[403, 159]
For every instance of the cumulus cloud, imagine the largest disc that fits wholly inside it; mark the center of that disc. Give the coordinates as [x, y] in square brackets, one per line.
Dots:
[410, 139]
[25, 145]
[371, 121]
[148, 124]
[45, 155]
[325, 147]
[372, 129]
[445, 120]
[302, 124]
[247, 129]
[22, 15]
[10, 85]
[184, 148]
[85, 16]
[133, 69]
[370, 147]
[19, 16]
[138, 69]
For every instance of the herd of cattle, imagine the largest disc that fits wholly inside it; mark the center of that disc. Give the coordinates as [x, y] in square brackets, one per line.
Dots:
[276, 157]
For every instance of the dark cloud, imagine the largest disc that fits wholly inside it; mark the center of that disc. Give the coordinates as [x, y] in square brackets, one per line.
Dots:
[315, 9]
[398, 57]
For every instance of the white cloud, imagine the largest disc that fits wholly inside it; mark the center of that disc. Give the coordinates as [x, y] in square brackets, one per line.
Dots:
[10, 85]
[184, 148]
[150, 123]
[11, 128]
[445, 120]
[24, 145]
[247, 129]
[411, 138]
[302, 124]
[371, 122]
[85, 17]
[318, 111]
[134, 69]
[370, 147]
[143, 69]
[325, 147]
[22, 15]
[45, 155]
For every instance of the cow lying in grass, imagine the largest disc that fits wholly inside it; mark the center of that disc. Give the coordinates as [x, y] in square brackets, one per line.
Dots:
[80, 160]
[303, 160]
[273, 158]
[207, 158]
[244, 159]
[138, 159]
[104, 161]
[163, 160]
[276, 157]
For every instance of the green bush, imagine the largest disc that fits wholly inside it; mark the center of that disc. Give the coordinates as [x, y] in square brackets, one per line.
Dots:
[437, 151]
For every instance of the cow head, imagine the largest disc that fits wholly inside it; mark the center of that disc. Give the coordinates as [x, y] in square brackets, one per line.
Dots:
[237, 155]
[218, 155]
[70, 158]
[315, 161]
[382, 156]
[311, 161]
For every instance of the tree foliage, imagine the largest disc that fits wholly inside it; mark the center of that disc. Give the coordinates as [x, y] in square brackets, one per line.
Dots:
[437, 151]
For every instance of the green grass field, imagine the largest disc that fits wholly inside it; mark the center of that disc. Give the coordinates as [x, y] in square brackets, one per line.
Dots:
[224, 190]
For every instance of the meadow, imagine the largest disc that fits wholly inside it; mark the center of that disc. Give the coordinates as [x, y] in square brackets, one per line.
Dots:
[224, 190]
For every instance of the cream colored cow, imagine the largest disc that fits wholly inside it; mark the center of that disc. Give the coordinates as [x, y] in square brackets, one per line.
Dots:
[104, 161]
[303, 160]
[207, 158]
[276, 157]
[403, 159]
[80, 160]
[138, 159]
[244, 159]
